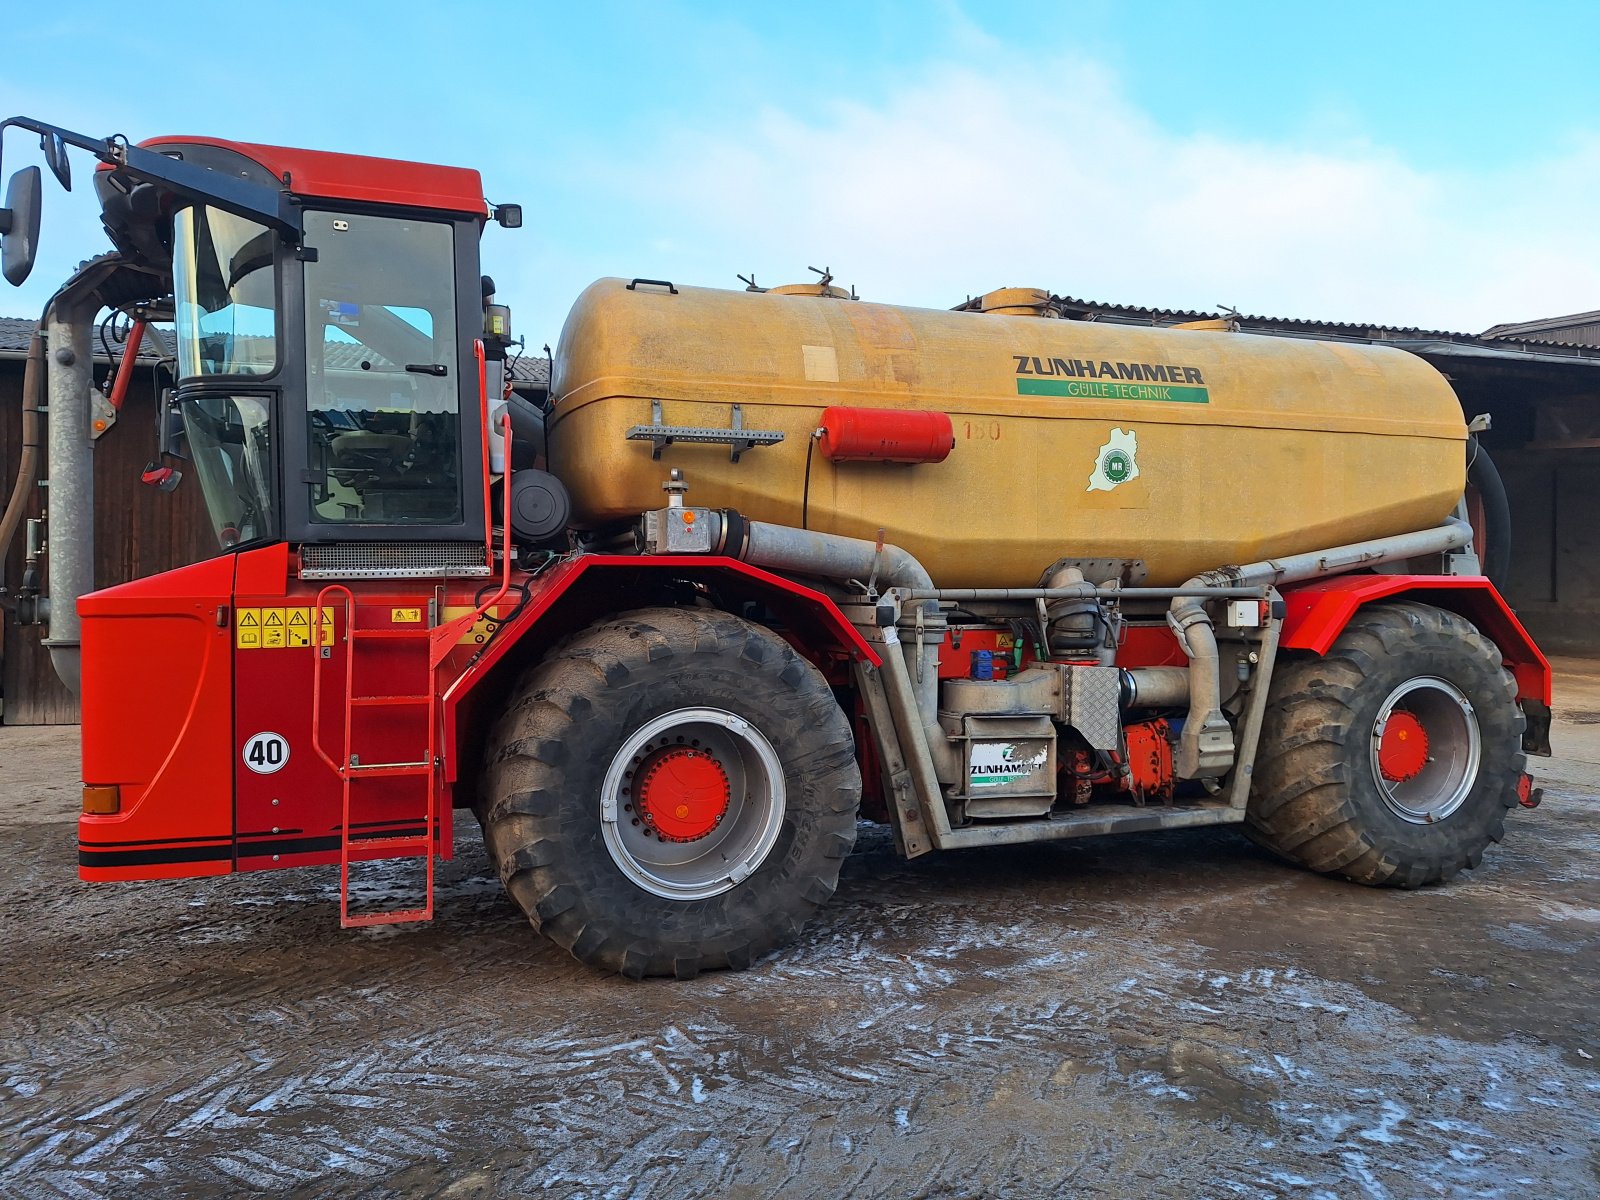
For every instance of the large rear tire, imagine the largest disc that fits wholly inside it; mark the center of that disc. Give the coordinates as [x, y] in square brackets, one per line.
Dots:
[1391, 759]
[674, 790]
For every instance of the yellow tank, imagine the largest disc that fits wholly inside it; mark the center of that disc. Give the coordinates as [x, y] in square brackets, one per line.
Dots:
[1185, 449]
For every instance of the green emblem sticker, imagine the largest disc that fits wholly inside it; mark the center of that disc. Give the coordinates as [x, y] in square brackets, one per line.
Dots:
[1116, 462]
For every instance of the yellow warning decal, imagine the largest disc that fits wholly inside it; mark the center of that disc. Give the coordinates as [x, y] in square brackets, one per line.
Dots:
[481, 629]
[405, 616]
[280, 628]
[247, 628]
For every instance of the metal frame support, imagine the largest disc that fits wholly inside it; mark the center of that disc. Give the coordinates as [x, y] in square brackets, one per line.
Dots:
[267, 206]
[660, 435]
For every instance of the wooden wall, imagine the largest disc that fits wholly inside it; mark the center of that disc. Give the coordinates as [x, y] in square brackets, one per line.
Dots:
[138, 531]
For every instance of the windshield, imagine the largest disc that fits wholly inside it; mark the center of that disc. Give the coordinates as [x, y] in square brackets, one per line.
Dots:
[230, 444]
[222, 279]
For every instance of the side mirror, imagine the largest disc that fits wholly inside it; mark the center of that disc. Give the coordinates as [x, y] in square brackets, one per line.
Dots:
[55, 157]
[19, 225]
[172, 437]
[508, 215]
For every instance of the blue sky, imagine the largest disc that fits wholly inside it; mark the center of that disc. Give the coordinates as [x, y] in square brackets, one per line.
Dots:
[1431, 164]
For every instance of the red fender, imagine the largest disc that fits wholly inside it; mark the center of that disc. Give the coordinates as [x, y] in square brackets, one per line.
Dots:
[580, 590]
[1319, 611]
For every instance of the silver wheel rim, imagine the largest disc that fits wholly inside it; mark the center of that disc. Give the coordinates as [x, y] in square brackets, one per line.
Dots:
[724, 857]
[1455, 750]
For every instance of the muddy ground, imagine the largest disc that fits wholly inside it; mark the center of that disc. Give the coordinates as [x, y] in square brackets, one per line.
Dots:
[1160, 1015]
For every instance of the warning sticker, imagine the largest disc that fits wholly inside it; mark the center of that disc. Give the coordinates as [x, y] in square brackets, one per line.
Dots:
[247, 628]
[405, 616]
[272, 629]
[280, 628]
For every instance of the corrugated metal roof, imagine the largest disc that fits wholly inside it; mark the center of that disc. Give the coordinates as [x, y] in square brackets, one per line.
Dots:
[1409, 336]
[1547, 325]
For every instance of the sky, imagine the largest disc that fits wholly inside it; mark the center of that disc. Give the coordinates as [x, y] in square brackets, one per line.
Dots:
[1424, 164]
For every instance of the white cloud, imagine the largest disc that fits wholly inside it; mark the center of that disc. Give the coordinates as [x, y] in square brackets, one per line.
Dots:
[965, 179]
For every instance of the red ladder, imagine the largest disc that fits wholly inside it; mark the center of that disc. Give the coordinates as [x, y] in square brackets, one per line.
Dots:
[351, 770]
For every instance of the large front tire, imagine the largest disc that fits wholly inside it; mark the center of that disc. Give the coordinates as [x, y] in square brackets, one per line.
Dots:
[674, 790]
[1392, 759]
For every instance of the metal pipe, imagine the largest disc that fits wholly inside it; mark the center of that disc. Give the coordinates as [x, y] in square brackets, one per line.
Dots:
[1206, 747]
[28, 462]
[1452, 535]
[807, 552]
[1155, 687]
[70, 500]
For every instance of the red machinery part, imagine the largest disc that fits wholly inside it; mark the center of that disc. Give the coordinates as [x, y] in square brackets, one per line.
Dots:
[130, 358]
[683, 795]
[1403, 749]
[1150, 759]
[886, 435]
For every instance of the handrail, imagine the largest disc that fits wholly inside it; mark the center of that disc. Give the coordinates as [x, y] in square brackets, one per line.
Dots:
[443, 638]
[483, 425]
[341, 768]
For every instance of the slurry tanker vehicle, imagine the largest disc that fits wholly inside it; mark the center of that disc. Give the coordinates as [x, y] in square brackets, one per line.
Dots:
[765, 563]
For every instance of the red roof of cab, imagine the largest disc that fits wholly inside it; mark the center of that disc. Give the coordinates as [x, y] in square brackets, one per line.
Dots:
[356, 176]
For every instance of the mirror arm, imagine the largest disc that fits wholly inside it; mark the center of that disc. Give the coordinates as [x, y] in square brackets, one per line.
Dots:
[267, 206]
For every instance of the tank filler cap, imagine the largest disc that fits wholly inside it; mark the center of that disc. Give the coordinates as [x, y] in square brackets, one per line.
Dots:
[1017, 302]
[810, 289]
[822, 287]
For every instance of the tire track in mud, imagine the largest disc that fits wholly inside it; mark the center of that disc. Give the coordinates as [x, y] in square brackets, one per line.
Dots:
[1156, 1016]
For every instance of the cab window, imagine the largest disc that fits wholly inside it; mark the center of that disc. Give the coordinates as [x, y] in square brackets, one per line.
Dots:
[382, 393]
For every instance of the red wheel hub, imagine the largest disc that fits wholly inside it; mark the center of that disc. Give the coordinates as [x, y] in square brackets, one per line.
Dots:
[1403, 750]
[683, 794]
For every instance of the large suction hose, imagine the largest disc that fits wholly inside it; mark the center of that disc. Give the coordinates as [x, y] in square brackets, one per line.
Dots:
[28, 462]
[1483, 475]
[922, 625]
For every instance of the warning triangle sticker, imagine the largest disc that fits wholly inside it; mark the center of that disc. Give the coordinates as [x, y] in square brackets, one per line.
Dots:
[274, 617]
[248, 618]
[299, 617]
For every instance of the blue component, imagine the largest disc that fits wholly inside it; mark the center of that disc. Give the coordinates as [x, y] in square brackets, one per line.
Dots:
[983, 664]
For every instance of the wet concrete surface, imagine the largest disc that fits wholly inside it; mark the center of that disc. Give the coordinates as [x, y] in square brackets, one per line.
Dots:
[1159, 1015]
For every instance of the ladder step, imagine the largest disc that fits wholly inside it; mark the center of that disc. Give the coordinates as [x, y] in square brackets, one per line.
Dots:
[397, 917]
[382, 846]
[407, 842]
[389, 770]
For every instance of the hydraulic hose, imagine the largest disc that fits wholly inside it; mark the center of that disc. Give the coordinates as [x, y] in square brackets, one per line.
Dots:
[28, 462]
[1483, 475]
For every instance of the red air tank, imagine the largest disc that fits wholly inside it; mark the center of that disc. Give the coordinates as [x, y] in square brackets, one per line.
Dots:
[901, 435]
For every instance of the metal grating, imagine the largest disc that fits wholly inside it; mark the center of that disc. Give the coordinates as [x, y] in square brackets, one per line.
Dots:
[1096, 704]
[393, 560]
